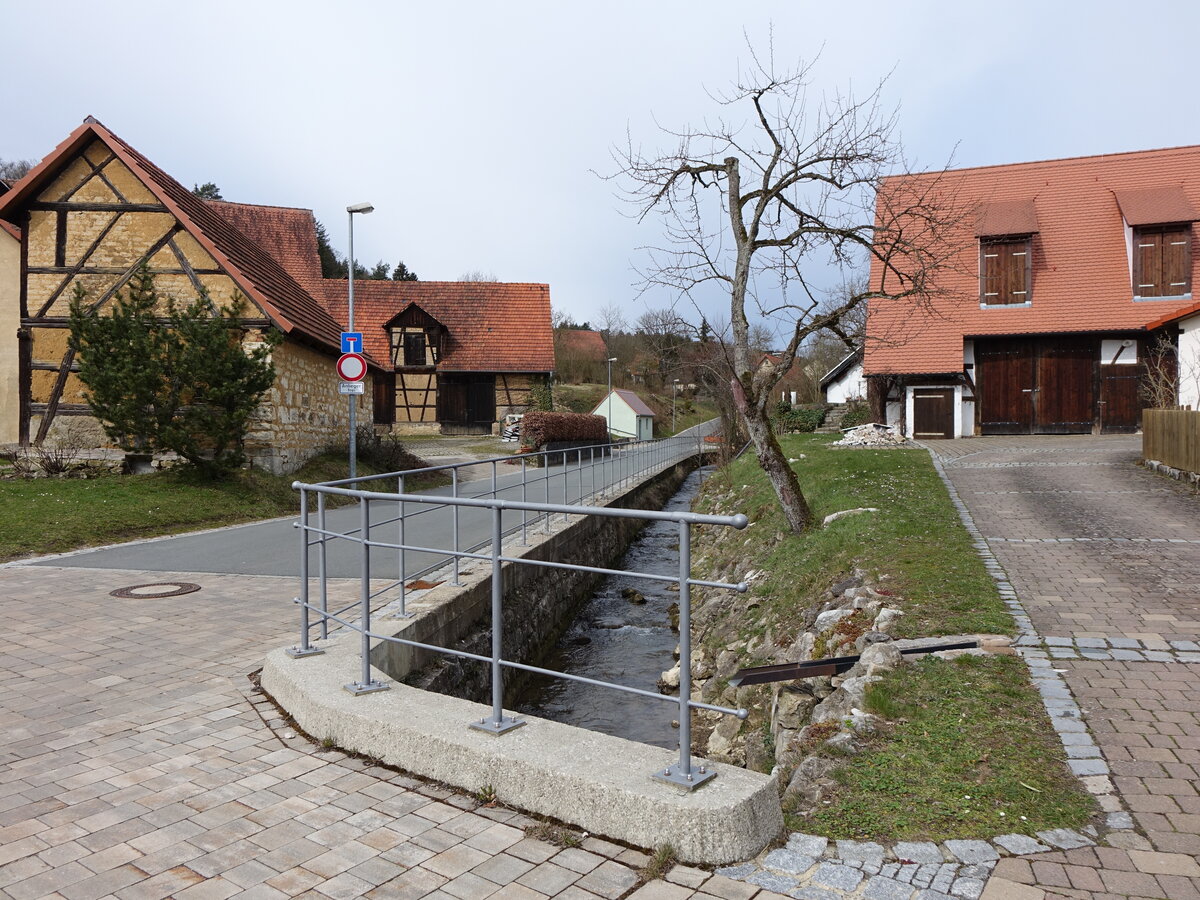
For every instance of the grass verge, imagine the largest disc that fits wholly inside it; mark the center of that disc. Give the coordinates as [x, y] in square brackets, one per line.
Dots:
[967, 749]
[967, 753]
[53, 515]
[916, 538]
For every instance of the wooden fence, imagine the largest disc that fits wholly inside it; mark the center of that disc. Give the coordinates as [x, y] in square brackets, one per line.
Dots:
[1172, 436]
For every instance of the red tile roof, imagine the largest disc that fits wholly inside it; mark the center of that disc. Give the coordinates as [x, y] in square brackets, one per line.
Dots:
[588, 345]
[1081, 276]
[266, 283]
[286, 233]
[1155, 206]
[11, 229]
[492, 326]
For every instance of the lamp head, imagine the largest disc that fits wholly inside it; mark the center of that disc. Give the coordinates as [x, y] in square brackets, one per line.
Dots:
[612, 359]
[360, 208]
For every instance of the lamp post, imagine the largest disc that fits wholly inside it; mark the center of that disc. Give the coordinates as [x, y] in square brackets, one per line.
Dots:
[674, 390]
[362, 208]
[610, 361]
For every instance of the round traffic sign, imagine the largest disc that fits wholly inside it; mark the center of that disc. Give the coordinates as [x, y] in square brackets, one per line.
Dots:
[351, 367]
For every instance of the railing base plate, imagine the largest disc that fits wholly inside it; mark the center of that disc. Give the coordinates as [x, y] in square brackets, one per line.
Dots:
[301, 652]
[369, 688]
[504, 725]
[673, 775]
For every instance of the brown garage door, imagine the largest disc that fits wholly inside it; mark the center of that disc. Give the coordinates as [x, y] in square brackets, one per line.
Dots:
[933, 413]
[1037, 385]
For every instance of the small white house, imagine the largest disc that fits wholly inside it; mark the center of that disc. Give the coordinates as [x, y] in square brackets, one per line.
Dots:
[627, 415]
[845, 381]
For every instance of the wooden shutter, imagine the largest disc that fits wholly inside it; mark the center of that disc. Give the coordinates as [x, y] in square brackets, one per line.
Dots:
[1005, 267]
[1177, 261]
[1147, 262]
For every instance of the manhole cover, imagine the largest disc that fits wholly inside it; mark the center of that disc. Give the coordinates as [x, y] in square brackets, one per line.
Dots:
[155, 591]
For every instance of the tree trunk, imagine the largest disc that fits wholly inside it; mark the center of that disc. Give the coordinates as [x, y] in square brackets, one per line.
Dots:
[772, 461]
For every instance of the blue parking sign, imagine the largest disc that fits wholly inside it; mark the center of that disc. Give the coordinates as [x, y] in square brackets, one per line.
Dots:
[352, 342]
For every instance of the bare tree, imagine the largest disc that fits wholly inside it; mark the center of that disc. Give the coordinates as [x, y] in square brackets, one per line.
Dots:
[752, 208]
[478, 275]
[612, 320]
[15, 169]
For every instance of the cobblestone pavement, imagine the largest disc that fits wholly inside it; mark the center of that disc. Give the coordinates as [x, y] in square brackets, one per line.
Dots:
[1105, 558]
[138, 762]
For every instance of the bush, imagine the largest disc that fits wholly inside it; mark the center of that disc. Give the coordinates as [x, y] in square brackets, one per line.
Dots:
[802, 418]
[857, 413]
[384, 452]
[540, 428]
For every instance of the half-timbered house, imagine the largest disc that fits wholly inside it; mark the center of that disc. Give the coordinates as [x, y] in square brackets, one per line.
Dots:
[1059, 296]
[88, 216]
[462, 354]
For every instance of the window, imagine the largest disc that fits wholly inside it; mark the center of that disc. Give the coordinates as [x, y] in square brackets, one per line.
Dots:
[1162, 261]
[414, 348]
[1004, 271]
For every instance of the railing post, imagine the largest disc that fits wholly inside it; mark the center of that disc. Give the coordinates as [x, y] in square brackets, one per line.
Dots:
[498, 724]
[304, 648]
[454, 493]
[322, 563]
[681, 773]
[566, 478]
[403, 569]
[365, 685]
[524, 512]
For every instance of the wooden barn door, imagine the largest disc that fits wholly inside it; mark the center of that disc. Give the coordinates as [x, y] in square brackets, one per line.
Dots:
[933, 413]
[1004, 386]
[1065, 400]
[467, 403]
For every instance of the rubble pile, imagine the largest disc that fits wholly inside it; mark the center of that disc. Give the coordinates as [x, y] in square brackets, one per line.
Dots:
[871, 435]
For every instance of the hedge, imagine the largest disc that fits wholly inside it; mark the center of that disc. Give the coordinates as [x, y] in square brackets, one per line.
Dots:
[540, 428]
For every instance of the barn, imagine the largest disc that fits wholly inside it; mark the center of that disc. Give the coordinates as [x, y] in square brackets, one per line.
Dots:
[1056, 308]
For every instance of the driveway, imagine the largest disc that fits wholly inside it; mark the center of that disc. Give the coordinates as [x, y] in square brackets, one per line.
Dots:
[1105, 558]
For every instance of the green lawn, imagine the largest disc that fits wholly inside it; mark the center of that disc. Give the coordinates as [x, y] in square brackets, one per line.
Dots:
[52, 515]
[916, 538]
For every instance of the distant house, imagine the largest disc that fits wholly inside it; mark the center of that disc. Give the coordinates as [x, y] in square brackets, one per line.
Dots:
[90, 215]
[845, 381]
[1067, 282]
[460, 355]
[579, 354]
[454, 356]
[627, 415]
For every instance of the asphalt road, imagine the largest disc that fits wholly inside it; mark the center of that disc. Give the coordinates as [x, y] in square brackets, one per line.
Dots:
[274, 547]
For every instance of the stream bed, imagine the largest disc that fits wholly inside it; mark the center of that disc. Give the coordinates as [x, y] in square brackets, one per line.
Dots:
[616, 639]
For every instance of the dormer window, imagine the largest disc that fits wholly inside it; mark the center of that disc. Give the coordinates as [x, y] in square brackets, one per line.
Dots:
[1162, 260]
[1005, 229]
[416, 338]
[414, 348]
[1005, 271]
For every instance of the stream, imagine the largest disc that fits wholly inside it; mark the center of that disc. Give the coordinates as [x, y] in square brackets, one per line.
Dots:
[614, 639]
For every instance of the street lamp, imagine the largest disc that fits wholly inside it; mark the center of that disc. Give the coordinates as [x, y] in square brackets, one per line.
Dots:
[362, 208]
[674, 388]
[611, 360]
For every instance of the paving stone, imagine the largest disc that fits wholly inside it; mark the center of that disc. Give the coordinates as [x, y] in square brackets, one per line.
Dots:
[973, 851]
[969, 888]
[809, 892]
[738, 872]
[688, 876]
[860, 851]
[925, 852]
[927, 894]
[839, 877]
[1119, 820]
[1065, 839]
[610, 880]
[808, 844]
[787, 860]
[881, 888]
[781, 884]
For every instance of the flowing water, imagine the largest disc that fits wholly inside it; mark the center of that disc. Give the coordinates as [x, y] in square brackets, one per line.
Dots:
[614, 639]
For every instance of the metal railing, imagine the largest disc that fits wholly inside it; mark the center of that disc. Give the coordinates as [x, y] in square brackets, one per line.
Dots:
[597, 475]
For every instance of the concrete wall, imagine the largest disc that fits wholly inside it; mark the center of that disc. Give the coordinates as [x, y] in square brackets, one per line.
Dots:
[10, 321]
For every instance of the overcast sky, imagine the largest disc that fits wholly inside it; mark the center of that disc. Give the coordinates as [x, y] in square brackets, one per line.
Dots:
[475, 128]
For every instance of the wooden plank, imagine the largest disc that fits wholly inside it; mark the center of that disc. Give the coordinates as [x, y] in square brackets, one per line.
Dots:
[55, 205]
[187, 268]
[60, 238]
[113, 270]
[24, 382]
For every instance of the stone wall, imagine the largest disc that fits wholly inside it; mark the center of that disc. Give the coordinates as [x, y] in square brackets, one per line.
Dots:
[303, 413]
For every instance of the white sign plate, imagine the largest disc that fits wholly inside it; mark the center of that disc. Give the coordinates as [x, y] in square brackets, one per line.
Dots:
[350, 387]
